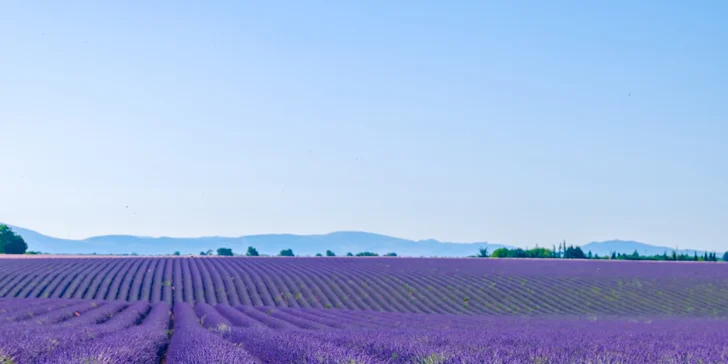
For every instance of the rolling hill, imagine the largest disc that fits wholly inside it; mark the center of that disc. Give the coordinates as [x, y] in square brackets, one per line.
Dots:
[339, 242]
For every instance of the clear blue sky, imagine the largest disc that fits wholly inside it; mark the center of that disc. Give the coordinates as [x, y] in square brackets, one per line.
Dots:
[516, 122]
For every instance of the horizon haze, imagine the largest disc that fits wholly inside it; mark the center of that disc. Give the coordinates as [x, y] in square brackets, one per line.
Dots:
[340, 242]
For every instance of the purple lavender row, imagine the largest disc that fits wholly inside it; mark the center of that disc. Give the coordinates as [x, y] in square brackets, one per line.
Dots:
[142, 344]
[276, 346]
[30, 341]
[193, 344]
[17, 309]
[434, 286]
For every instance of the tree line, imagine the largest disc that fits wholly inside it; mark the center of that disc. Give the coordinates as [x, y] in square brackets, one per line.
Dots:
[575, 252]
[253, 252]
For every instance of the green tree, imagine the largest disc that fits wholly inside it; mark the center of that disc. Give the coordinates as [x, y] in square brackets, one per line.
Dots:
[349, 254]
[725, 257]
[226, 252]
[574, 253]
[483, 253]
[287, 253]
[11, 243]
[500, 253]
[177, 253]
[390, 255]
[329, 253]
[252, 252]
[367, 254]
[319, 255]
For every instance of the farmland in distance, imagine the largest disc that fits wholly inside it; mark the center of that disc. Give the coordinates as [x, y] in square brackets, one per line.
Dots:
[361, 310]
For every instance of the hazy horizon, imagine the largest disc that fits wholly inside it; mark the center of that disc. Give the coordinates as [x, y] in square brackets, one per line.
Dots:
[518, 245]
[509, 123]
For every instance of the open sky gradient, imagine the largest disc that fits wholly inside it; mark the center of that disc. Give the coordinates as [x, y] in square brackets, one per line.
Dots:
[515, 122]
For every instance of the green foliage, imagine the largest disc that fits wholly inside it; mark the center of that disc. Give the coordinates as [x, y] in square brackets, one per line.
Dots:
[367, 254]
[319, 255]
[286, 253]
[11, 243]
[575, 253]
[31, 252]
[390, 255]
[329, 253]
[501, 253]
[349, 254]
[177, 253]
[226, 252]
[707, 257]
[521, 253]
[482, 253]
[725, 257]
[252, 252]
[433, 359]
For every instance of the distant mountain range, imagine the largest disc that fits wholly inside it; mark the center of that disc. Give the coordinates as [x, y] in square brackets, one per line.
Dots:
[271, 244]
[339, 242]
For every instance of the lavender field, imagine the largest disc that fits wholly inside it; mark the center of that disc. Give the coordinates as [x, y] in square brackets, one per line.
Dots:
[360, 310]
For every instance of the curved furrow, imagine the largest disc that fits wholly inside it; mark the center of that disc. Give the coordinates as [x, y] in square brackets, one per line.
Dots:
[48, 281]
[470, 287]
[372, 302]
[446, 302]
[373, 281]
[135, 286]
[59, 287]
[322, 295]
[259, 291]
[220, 289]
[286, 294]
[125, 288]
[198, 288]
[276, 292]
[16, 282]
[237, 293]
[266, 319]
[303, 285]
[156, 291]
[100, 283]
[152, 279]
[111, 291]
[81, 280]
[420, 284]
[187, 282]
[237, 318]
[391, 285]
[176, 286]
[211, 290]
